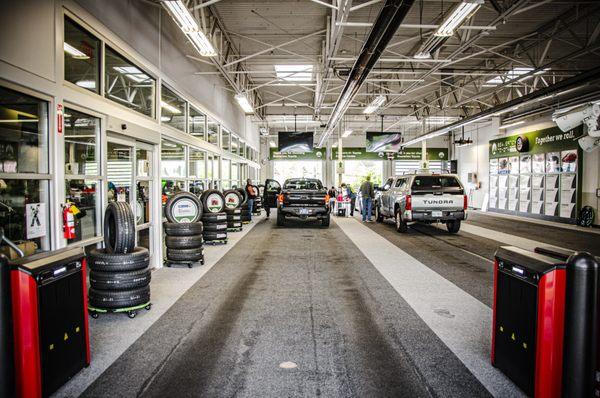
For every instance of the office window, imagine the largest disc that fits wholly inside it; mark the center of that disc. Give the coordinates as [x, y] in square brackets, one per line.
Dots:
[127, 84]
[82, 57]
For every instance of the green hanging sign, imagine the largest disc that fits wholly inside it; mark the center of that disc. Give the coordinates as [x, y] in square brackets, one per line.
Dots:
[315, 154]
[350, 153]
[551, 139]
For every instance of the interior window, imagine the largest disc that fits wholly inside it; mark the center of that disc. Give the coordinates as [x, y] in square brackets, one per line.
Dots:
[82, 57]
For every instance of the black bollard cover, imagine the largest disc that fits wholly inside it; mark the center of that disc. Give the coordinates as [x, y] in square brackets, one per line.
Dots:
[581, 326]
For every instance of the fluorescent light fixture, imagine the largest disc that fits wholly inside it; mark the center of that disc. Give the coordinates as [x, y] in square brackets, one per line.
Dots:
[189, 26]
[91, 84]
[422, 55]
[346, 133]
[132, 73]
[428, 47]
[505, 126]
[170, 108]
[460, 14]
[294, 73]
[272, 144]
[373, 106]
[181, 15]
[510, 75]
[74, 52]
[202, 44]
[244, 103]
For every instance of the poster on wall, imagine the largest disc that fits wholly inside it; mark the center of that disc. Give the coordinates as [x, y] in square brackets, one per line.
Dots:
[525, 164]
[553, 162]
[513, 165]
[35, 217]
[503, 166]
[493, 166]
[538, 163]
[569, 161]
[568, 194]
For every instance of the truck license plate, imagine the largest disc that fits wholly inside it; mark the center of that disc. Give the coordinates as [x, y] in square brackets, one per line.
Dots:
[436, 214]
[303, 211]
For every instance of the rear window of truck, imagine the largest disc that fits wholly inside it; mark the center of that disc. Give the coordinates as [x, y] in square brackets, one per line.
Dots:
[303, 184]
[435, 182]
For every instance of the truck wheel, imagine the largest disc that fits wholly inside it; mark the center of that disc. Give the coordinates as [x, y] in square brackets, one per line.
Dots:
[325, 221]
[378, 215]
[453, 226]
[401, 225]
[280, 219]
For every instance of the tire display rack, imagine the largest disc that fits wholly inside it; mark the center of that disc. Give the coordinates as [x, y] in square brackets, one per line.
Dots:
[184, 230]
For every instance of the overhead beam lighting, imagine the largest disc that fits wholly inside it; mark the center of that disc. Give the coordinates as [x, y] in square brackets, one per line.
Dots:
[74, 52]
[374, 105]
[244, 103]
[505, 126]
[189, 27]
[459, 14]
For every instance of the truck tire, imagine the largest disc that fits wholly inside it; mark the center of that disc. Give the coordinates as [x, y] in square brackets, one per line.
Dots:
[216, 227]
[326, 221]
[212, 201]
[233, 199]
[119, 228]
[210, 218]
[100, 260]
[453, 226]
[113, 299]
[190, 210]
[401, 225]
[378, 215]
[280, 219]
[186, 229]
[120, 280]
[193, 255]
[184, 242]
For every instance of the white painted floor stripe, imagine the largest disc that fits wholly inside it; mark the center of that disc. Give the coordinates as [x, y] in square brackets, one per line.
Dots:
[467, 335]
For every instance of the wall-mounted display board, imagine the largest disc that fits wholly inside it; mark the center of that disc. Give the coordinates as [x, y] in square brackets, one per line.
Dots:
[537, 174]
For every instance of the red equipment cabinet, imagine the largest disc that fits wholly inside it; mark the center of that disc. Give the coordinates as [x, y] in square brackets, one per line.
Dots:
[528, 320]
[51, 333]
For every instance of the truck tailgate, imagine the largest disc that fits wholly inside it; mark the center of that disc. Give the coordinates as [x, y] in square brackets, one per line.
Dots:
[437, 202]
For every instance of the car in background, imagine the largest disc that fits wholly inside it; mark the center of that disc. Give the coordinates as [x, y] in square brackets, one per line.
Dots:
[299, 198]
[422, 197]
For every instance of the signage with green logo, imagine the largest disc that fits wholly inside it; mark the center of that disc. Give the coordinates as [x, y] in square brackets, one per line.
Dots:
[350, 153]
[540, 141]
[315, 154]
[185, 210]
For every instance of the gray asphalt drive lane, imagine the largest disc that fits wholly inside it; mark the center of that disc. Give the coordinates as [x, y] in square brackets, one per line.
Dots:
[289, 312]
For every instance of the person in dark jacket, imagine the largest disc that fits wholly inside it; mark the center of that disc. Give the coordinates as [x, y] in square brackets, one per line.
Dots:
[251, 192]
[352, 196]
[367, 193]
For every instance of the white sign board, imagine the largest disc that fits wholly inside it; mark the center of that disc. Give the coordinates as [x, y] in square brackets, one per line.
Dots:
[35, 217]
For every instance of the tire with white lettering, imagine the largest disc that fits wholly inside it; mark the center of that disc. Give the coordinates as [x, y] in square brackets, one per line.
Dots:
[119, 228]
[120, 280]
[192, 255]
[210, 218]
[234, 224]
[184, 242]
[183, 207]
[101, 260]
[213, 201]
[214, 235]
[216, 227]
[187, 229]
[113, 299]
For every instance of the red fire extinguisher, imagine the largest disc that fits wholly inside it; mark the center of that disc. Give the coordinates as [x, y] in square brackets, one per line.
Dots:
[68, 222]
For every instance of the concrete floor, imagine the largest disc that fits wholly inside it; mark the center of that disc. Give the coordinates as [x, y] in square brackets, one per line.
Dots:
[353, 310]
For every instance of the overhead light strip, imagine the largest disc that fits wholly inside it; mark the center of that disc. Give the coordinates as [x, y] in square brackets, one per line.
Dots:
[189, 27]
[460, 13]
[374, 105]
[244, 103]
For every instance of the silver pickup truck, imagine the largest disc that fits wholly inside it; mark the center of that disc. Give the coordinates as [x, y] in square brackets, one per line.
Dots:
[422, 197]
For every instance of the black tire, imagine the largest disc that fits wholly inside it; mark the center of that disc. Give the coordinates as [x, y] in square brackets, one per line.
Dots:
[120, 280]
[119, 228]
[233, 199]
[326, 221]
[212, 201]
[234, 217]
[280, 219]
[210, 236]
[191, 206]
[210, 218]
[100, 260]
[231, 212]
[401, 225]
[192, 255]
[184, 242]
[378, 215]
[234, 224]
[114, 299]
[453, 226]
[216, 227]
[186, 229]
[244, 195]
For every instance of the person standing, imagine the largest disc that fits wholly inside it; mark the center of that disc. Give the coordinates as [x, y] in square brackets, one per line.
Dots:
[332, 194]
[352, 197]
[368, 194]
[251, 192]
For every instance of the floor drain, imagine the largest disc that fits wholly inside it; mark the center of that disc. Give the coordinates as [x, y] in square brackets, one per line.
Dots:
[288, 365]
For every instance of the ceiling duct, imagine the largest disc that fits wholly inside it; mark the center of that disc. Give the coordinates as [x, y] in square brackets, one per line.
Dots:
[389, 19]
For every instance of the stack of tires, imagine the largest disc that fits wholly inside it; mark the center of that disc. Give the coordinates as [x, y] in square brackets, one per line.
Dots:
[119, 273]
[214, 216]
[256, 209]
[233, 199]
[244, 206]
[183, 230]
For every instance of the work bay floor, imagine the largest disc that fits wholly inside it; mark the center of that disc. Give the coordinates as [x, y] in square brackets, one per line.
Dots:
[356, 310]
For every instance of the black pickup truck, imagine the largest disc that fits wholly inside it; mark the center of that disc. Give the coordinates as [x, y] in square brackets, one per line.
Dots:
[300, 198]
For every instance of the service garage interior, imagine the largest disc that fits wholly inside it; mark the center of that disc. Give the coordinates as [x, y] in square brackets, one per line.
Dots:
[300, 198]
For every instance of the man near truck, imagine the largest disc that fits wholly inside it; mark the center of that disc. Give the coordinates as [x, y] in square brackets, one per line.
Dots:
[368, 194]
[251, 192]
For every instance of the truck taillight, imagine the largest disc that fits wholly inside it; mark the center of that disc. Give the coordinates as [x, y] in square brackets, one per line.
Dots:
[280, 198]
[408, 202]
[466, 202]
